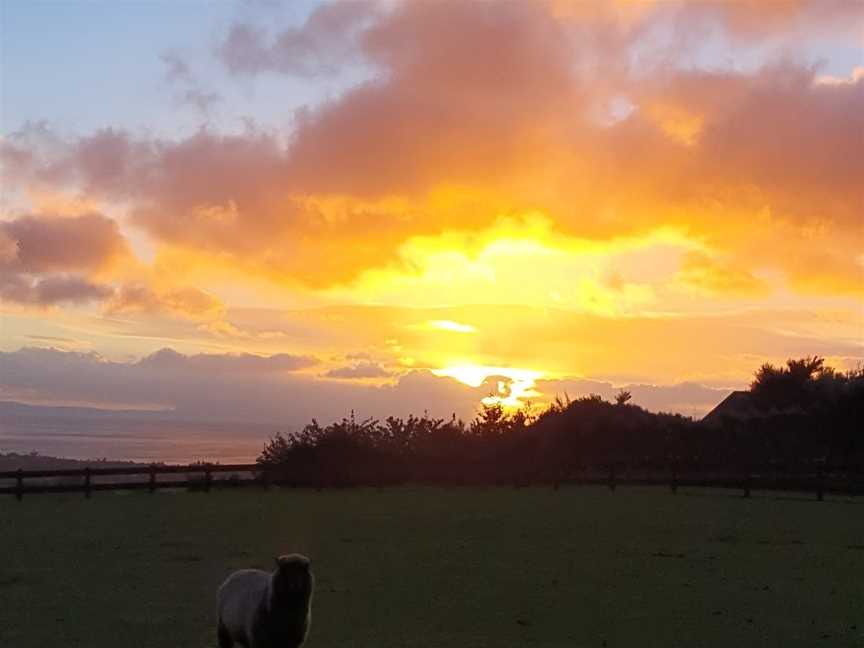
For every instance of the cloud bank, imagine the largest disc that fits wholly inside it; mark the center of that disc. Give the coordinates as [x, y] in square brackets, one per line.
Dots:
[273, 389]
[638, 192]
[475, 110]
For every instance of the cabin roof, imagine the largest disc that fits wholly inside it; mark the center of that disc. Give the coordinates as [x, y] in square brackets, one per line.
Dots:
[737, 406]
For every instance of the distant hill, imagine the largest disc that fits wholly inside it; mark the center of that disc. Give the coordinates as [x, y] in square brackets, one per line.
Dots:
[11, 409]
[35, 461]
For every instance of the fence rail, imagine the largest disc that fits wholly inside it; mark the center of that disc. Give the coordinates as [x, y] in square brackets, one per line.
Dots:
[87, 485]
[201, 477]
[133, 470]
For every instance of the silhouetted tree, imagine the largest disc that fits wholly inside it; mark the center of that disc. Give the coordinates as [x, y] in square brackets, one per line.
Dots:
[789, 386]
[804, 412]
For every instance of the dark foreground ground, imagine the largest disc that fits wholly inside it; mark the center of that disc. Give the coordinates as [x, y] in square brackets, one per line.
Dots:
[442, 568]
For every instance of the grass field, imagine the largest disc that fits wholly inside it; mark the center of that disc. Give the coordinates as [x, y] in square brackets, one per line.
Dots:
[433, 568]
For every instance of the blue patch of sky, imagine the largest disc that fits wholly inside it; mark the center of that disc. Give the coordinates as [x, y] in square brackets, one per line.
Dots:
[82, 66]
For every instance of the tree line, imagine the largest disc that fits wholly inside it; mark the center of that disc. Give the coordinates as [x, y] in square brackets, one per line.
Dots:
[792, 418]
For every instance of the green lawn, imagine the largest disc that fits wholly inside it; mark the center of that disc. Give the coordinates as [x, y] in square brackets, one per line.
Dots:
[418, 567]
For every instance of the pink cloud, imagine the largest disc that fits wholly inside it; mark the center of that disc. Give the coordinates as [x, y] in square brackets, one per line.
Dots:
[322, 45]
[170, 360]
[48, 244]
[47, 260]
[358, 371]
[51, 290]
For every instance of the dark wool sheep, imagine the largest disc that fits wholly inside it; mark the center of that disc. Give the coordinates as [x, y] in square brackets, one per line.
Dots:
[258, 609]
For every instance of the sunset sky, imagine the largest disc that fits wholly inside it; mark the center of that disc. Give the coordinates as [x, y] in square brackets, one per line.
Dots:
[266, 211]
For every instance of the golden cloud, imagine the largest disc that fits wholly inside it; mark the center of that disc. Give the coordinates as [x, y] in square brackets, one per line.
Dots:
[477, 114]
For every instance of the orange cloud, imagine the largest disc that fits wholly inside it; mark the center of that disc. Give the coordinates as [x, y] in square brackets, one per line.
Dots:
[184, 301]
[477, 112]
[703, 273]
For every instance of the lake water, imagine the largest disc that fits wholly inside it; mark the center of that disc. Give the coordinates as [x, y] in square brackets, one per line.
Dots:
[177, 442]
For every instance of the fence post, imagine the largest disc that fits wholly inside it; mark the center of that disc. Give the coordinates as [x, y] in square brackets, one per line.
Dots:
[820, 483]
[152, 487]
[673, 483]
[87, 482]
[612, 477]
[207, 479]
[19, 485]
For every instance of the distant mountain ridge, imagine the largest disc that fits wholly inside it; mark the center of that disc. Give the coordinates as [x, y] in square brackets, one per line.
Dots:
[15, 408]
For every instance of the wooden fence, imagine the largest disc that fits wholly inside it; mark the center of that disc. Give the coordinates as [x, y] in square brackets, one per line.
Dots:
[87, 480]
[205, 477]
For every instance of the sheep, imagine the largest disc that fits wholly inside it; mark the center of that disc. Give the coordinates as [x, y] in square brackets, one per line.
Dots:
[259, 609]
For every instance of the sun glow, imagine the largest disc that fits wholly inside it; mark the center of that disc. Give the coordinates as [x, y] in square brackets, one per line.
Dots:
[510, 387]
[524, 260]
[450, 325]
